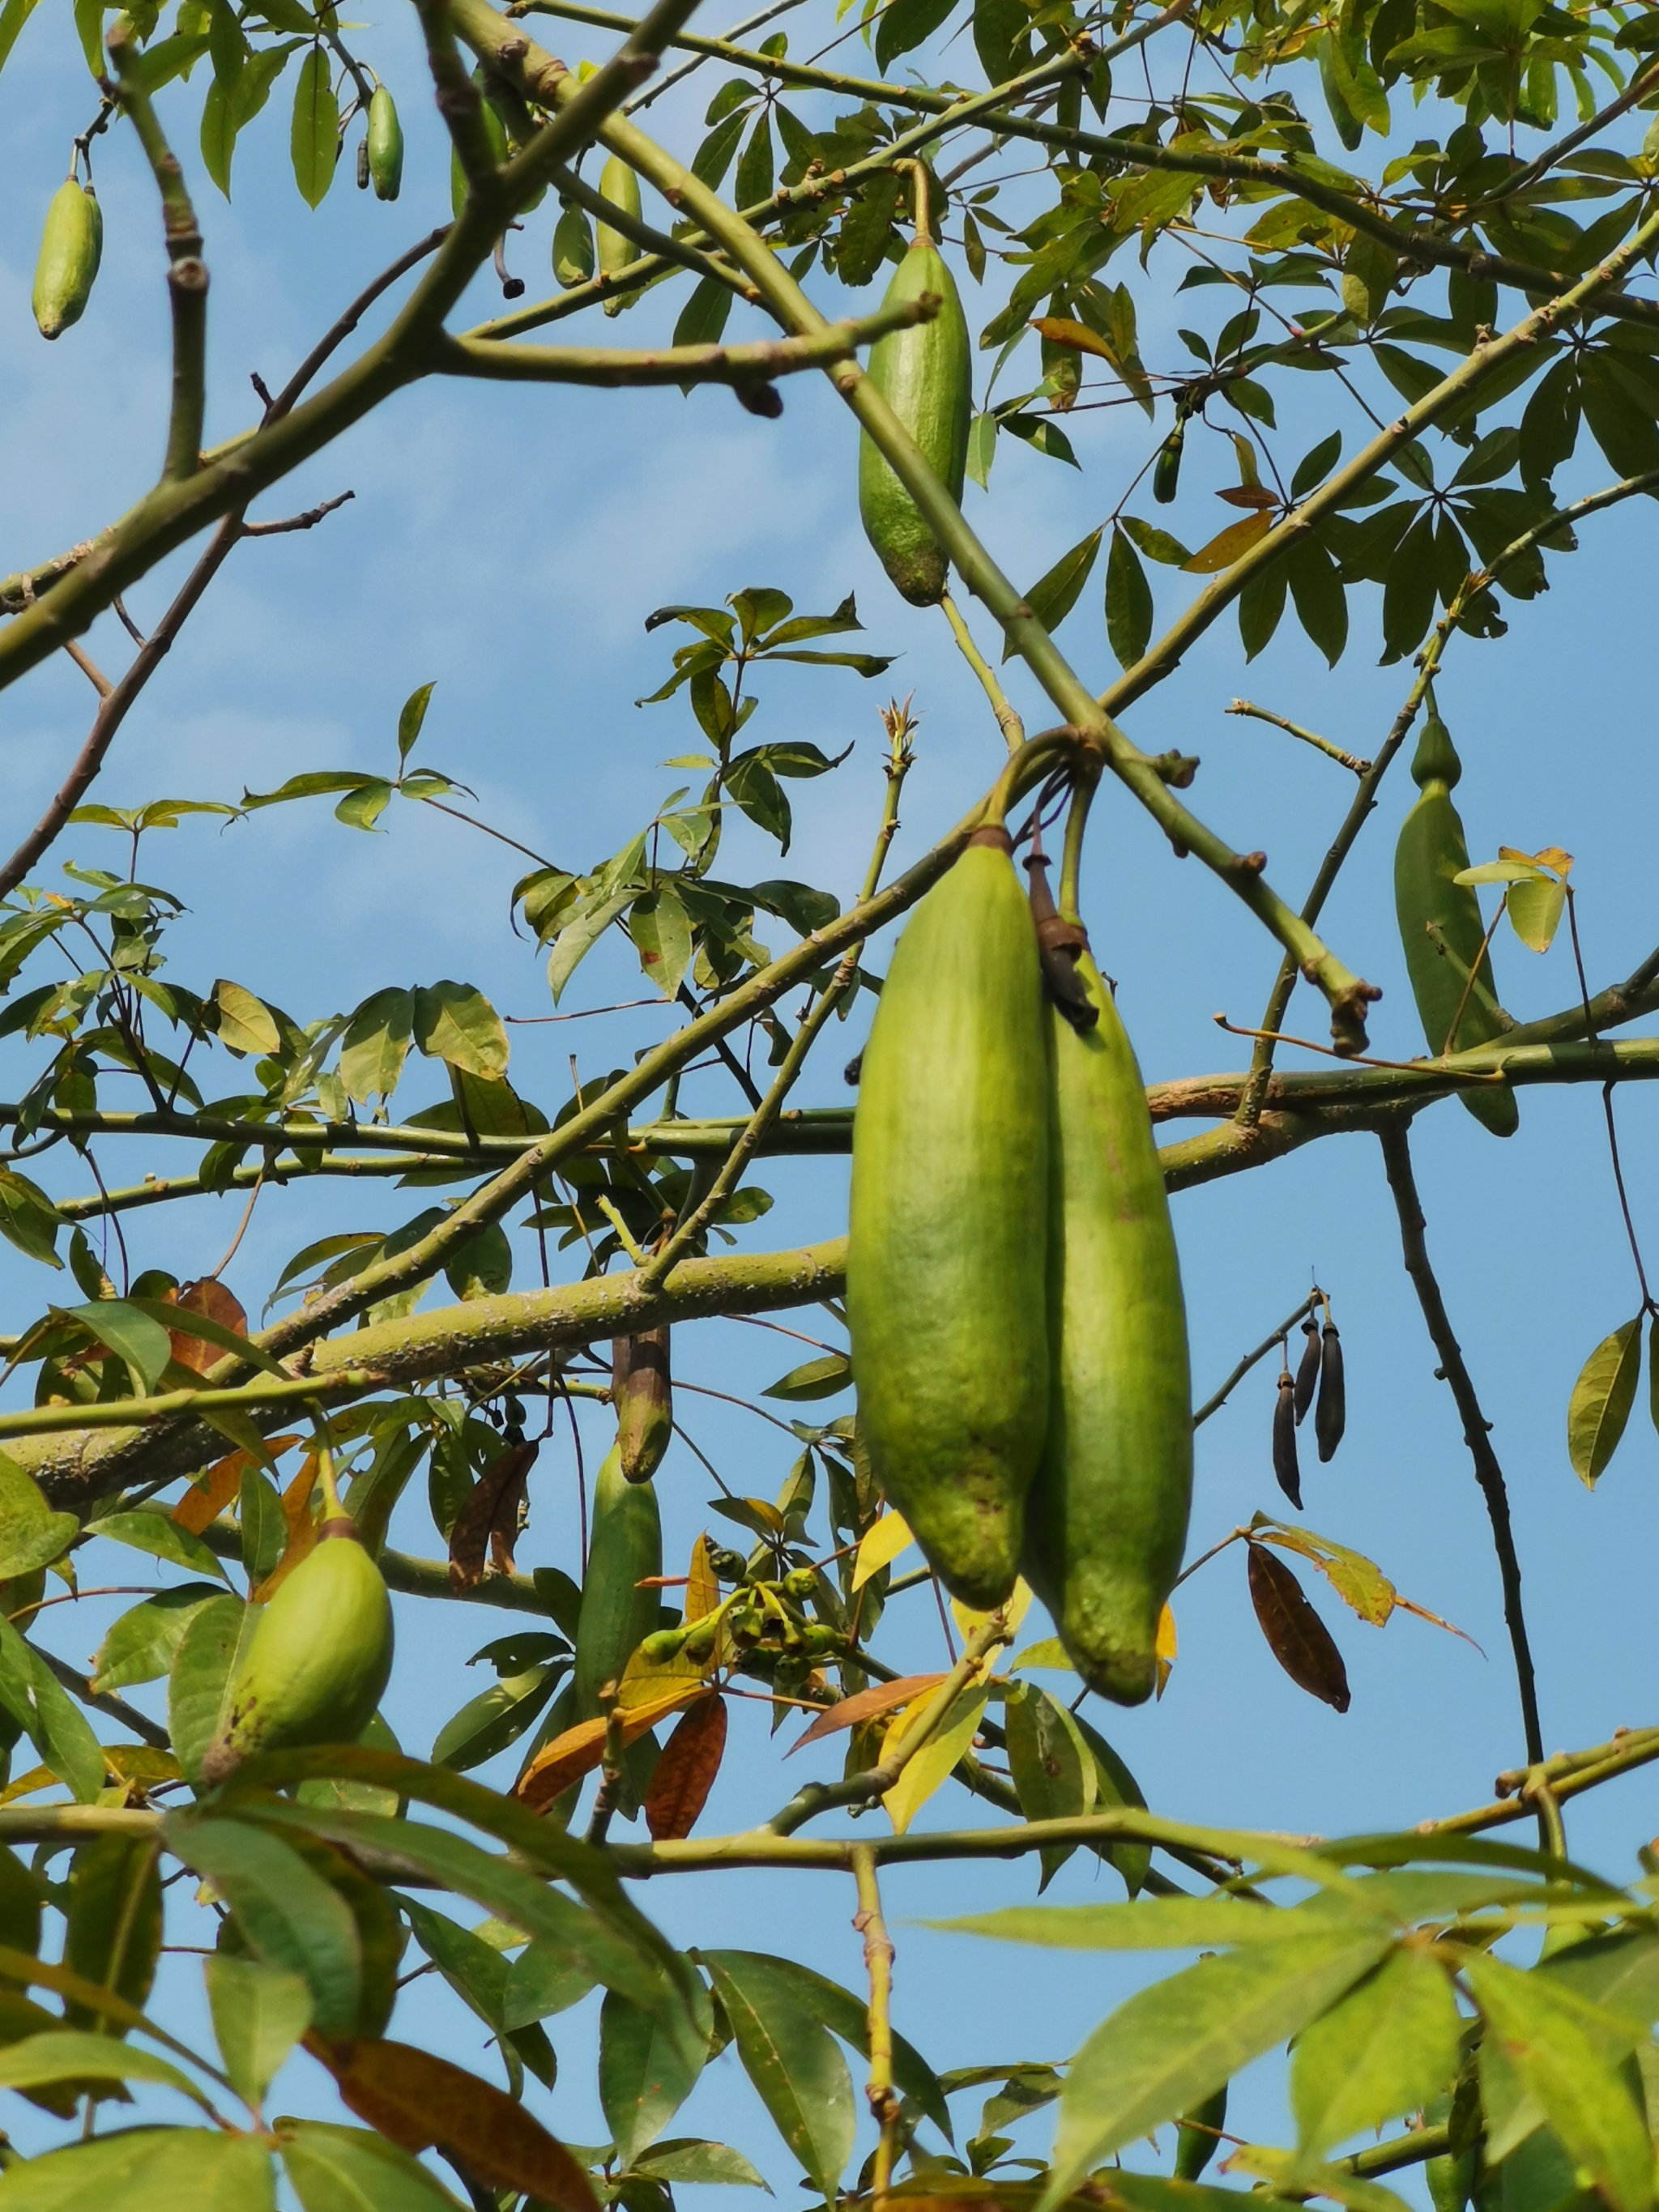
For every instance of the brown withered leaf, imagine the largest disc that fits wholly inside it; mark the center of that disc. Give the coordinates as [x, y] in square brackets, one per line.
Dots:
[488, 1521]
[209, 1298]
[302, 1530]
[686, 1773]
[580, 1749]
[1296, 1636]
[204, 1501]
[865, 1706]
[420, 2102]
[1252, 495]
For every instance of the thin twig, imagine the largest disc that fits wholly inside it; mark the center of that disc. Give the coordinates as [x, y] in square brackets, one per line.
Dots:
[1397, 1161]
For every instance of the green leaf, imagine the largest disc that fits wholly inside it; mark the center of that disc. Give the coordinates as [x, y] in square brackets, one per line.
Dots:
[794, 2063]
[245, 1024]
[410, 717]
[73, 2054]
[1156, 544]
[161, 1536]
[684, 2158]
[1128, 601]
[1391, 2044]
[1601, 1400]
[314, 138]
[140, 1646]
[1549, 2037]
[376, 1044]
[1322, 606]
[31, 1535]
[152, 2169]
[661, 930]
[825, 1378]
[1150, 1923]
[1052, 598]
[1053, 1770]
[129, 1333]
[542, 1980]
[335, 2169]
[482, 1266]
[496, 1718]
[113, 1937]
[259, 2013]
[647, 2072]
[848, 2016]
[1534, 909]
[1172, 2045]
[211, 1651]
[981, 449]
[32, 1694]
[456, 1024]
[290, 1915]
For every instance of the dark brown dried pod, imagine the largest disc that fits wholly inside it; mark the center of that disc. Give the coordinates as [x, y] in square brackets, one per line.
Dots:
[1286, 1472]
[1306, 1372]
[1331, 1415]
[1296, 1636]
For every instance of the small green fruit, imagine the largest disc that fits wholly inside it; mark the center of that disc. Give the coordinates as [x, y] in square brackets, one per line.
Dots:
[386, 145]
[71, 246]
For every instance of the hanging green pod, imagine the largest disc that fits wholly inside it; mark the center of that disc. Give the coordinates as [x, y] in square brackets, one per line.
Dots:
[614, 249]
[1441, 928]
[71, 246]
[386, 145]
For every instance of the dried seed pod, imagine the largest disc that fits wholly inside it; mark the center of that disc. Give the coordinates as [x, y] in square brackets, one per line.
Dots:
[1306, 1372]
[1331, 1414]
[1286, 1472]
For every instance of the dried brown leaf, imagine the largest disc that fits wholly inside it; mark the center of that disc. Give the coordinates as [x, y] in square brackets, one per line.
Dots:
[865, 1706]
[579, 1750]
[488, 1521]
[1296, 1635]
[684, 1774]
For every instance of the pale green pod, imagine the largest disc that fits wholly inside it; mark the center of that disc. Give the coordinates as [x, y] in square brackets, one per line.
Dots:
[71, 246]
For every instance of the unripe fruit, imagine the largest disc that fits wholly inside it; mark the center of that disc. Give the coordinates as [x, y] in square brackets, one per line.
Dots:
[662, 1645]
[386, 145]
[624, 1548]
[71, 246]
[946, 1288]
[1441, 928]
[619, 185]
[800, 1582]
[1106, 1522]
[1166, 469]
[925, 373]
[319, 1658]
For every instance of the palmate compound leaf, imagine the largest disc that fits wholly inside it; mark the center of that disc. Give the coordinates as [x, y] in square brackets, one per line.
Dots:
[1601, 1400]
[1174, 2044]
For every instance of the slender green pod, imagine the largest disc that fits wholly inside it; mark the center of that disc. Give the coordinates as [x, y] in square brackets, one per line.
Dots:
[386, 145]
[625, 1547]
[71, 246]
[642, 1392]
[1166, 469]
[1199, 2135]
[319, 1659]
[925, 373]
[945, 1271]
[1106, 1521]
[614, 249]
[1441, 928]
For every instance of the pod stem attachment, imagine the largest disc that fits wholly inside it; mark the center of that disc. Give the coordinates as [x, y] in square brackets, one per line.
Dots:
[921, 180]
[335, 1521]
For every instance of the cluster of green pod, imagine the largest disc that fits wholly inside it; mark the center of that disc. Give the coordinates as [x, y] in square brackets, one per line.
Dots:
[319, 1662]
[925, 373]
[1447, 956]
[71, 246]
[1014, 1295]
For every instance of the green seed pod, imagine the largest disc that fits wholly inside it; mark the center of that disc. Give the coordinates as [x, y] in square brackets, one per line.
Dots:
[496, 130]
[71, 245]
[386, 145]
[925, 373]
[572, 247]
[945, 1276]
[643, 1396]
[818, 1639]
[1331, 1414]
[1441, 928]
[662, 1645]
[624, 1546]
[1307, 1372]
[1286, 1472]
[1451, 2180]
[615, 250]
[319, 1660]
[1166, 469]
[1107, 1519]
[1199, 2138]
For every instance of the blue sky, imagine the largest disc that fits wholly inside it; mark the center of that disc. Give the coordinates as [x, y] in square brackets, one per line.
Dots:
[508, 543]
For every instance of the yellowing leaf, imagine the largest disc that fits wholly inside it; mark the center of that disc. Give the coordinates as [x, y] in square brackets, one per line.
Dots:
[1233, 543]
[932, 1764]
[1018, 1606]
[245, 1022]
[1061, 332]
[702, 1590]
[1601, 1400]
[1047, 1657]
[1165, 1647]
[882, 1544]
[302, 1530]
